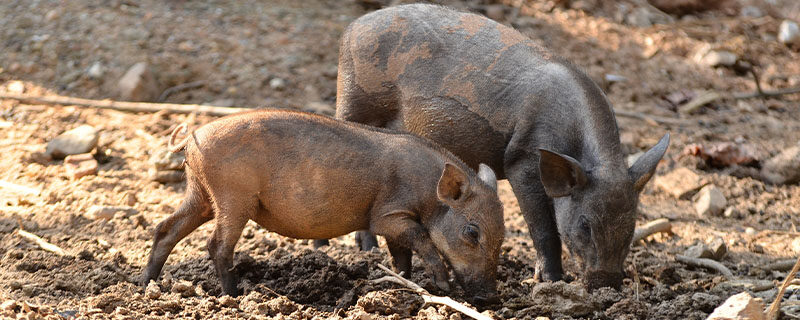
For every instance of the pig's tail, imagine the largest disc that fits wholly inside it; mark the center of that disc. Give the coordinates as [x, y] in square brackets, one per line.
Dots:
[181, 145]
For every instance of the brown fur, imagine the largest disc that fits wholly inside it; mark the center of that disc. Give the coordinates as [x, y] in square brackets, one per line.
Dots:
[307, 176]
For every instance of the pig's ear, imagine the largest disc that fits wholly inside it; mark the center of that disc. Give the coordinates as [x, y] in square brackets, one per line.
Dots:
[641, 171]
[487, 175]
[560, 174]
[453, 185]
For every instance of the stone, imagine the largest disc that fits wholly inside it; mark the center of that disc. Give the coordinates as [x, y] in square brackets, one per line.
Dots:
[698, 251]
[167, 176]
[789, 32]
[225, 103]
[138, 84]
[741, 306]
[639, 17]
[76, 141]
[228, 301]
[96, 71]
[710, 201]
[108, 212]
[277, 84]
[731, 212]
[717, 58]
[185, 288]
[751, 12]
[783, 168]
[80, 165]
[15, 87]
[166, 160]
[612, 78]
[8, 305]
[152, 291]
[718, 249]
[681, 183]
[320, 108]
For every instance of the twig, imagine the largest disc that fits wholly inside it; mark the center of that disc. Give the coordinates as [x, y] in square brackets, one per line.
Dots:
[783, 265]
[712, 96]
[652, 120]
[125, 105]
[46, 246]
[700, 101]
[179, 88]
[652, 227]
[705, 263]
[772, 312]
[427, 297]
[19, 188]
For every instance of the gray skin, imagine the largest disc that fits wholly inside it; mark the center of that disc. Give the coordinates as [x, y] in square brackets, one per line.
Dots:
[490, 95]
[307, 176]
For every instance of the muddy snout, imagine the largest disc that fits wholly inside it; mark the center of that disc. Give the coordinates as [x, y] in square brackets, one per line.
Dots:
[599, 279]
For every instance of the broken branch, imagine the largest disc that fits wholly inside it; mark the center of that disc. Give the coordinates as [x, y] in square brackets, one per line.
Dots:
[46, 246]
[783, 265]
[427, 297]
[705, 263]
[650, 228]
[652, 120]
[125, 105]
[772, 312]
[712, 96]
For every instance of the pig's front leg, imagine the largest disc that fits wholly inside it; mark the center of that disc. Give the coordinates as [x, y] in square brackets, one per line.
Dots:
[403, 232]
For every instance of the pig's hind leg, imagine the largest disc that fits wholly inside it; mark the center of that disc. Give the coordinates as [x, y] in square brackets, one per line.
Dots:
[193, 212]
[233, 212]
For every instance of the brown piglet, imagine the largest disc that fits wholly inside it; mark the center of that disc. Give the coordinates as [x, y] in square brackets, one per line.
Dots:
[310, 177]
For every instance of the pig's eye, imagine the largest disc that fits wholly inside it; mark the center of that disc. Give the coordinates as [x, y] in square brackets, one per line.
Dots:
[471, 232]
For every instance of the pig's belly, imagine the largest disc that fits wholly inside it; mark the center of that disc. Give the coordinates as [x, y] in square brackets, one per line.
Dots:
[315, 212]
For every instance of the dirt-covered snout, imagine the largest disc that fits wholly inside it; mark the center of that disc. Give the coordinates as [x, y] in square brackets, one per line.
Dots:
[469, 234]
[595, 209]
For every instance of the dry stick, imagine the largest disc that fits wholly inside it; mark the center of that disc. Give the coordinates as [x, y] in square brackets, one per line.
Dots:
[705, 263]
[179, 88]
[652, 120]
[42, 243]
[19, 188]
[772, 312]
[783, 265]
[125, 105]
[712, 96]
[652, 227]
[427, 297]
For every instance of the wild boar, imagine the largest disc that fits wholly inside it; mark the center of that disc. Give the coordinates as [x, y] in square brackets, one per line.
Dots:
[307, 176]
[491, 95]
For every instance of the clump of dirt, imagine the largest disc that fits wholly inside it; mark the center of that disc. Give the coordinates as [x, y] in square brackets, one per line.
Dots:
[402, 303]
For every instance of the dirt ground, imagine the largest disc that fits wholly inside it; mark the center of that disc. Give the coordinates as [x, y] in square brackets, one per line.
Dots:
[283, 54]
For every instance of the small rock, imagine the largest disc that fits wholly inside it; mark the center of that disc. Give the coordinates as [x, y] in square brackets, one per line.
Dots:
[185, 288]
[129, 199]
[739, 307]
[681, 183]
[716, 58]
[704, 301]
[167, 176]
[228, 301]
[15, 87]
[225, 103]
[718, 249]
[783, 168]
[639, 17]
[709, 201]
[751, 12]
[612, 78]
[698, 251]
[76, 141]
[320, 108]
[165, 160]
[28, 290]
[731, 212]
[138, 84]
[495, 12]
[52, 15]
[107, 212]
[749, 231]
[80, 165]
[789, 32]
[8, 305]
[96, 71]
[277, 84]
[152, 292]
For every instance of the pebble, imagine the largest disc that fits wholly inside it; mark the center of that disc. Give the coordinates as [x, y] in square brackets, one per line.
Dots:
[639, 17]
[107, 212]
[751, 12]
[76, 141]
[167, 176]
[228, 301]
[731, 212]
[185, 288]
[698, 251]
[138, 84]
[165, 160]
[681, 183]
[709, 201]
[783, 168]
[277, 84]
[15, 87]
[152, 292]
[749, 231]
[80, 165]
[740, 306]
[718, 249]
[789, 32]
[8, 305]
[717, 58]
[96, 71]
[225, 103]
